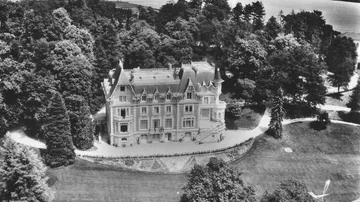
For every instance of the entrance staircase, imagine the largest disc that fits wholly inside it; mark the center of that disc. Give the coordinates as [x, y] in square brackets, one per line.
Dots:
[216, 129]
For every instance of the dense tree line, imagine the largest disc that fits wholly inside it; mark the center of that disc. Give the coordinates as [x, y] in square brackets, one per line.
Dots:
[66, 48]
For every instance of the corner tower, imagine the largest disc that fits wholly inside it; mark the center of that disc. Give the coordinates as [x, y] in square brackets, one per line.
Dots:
[219, 109]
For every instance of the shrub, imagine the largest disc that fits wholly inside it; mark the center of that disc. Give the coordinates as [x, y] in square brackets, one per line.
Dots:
[322, 120]
[289, 190]
[216, 182]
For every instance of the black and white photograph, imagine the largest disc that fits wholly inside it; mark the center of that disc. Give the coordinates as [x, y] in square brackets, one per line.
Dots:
[180, 100]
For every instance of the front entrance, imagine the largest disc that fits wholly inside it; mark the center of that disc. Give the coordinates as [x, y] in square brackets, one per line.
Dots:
[143, 139]
[187, 136]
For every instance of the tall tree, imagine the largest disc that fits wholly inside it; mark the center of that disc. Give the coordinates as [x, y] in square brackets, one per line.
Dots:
[354, 102]
[216, 9]
[23, 174]
[216, 182]
[307, 26]
[299, 71]
[72, 69]
[182, 40]
[11, 79]
[258, 13]
[341, 60]
[238, 12]
[342, 74]
[272, 27]
[60, 148]
[247, 58]
[277, 114]
[82, 128]
[139, 45]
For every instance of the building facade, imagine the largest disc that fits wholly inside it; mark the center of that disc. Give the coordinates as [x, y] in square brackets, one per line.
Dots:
[164, 105]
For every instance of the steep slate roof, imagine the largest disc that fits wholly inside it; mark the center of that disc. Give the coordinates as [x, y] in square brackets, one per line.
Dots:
[164, 80]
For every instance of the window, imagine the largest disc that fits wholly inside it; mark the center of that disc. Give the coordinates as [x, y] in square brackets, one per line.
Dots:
[124, 139]
[143, 98]
[188, 122]
[156, 123]
[123, 127]
[143, 110]
[188, 108]
[206, 100]
[122, 98]
[156, 110]
[122, 88]
[168, 96]
[123, 113]
[156, 97]
[168, 123]
[189, 96]
[143, 124]
[168, 109]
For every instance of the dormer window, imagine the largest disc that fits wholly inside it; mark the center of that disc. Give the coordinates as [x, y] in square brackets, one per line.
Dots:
[189, 95]
[156, 95]
[168, 96]
[143, 98]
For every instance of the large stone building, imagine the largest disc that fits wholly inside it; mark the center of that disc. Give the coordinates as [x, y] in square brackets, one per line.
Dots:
[164, 105]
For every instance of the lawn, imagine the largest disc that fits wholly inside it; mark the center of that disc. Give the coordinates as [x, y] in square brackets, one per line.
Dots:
[87, 181]
[332, 154]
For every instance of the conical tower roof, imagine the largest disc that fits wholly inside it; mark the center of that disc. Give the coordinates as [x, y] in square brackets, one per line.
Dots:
[217, 76]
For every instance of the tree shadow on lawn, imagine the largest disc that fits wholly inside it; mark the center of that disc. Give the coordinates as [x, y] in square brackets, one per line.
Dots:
[351, 117]
[337, 96]
[249, 119]
[318, 125]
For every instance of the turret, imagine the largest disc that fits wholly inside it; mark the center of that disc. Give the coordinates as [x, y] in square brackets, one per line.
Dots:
[217, 83]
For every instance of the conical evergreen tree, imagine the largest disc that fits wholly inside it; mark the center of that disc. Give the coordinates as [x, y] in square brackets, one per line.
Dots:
[277, 114]
[23, 175]
[354, 102]
[82, 128]
[60, 149]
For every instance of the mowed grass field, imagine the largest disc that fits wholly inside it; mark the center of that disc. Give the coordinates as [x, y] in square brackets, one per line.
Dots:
[86, 181]
[317, 156]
